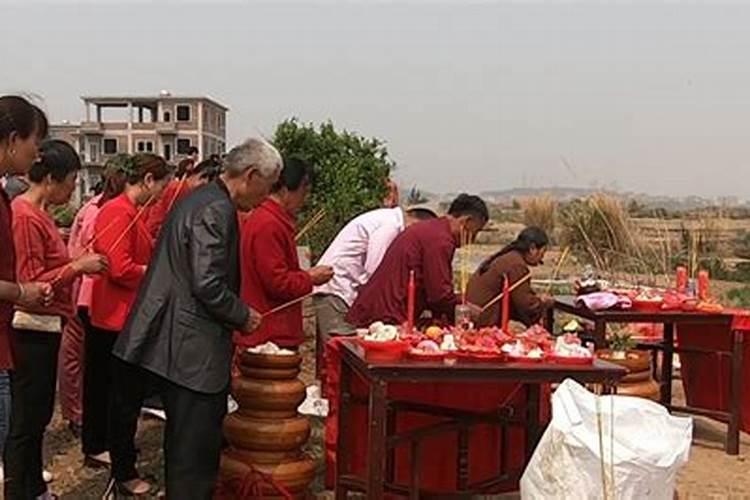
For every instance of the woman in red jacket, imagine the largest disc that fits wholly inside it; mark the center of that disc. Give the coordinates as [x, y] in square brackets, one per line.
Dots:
[270, 269]
[41, 255]
[189, 177]
[120, 234]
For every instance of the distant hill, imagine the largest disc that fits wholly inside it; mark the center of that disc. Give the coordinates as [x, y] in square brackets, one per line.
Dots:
[507, 196]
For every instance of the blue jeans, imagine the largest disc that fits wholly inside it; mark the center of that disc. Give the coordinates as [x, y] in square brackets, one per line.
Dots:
[4, 408]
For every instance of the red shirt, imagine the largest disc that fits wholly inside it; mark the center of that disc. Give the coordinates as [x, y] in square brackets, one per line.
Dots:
[42, 255]
[113, 293]
[271, 275]
[427, 248]
[157, 212]
[7, 273]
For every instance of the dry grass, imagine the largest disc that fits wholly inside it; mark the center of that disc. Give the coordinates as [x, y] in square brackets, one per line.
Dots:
[599, 231]
[540, 211]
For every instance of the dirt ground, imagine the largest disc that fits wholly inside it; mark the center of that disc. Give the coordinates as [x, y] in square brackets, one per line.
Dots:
[710, 473]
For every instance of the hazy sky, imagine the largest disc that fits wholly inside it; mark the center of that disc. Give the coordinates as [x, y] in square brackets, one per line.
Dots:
[479, 96]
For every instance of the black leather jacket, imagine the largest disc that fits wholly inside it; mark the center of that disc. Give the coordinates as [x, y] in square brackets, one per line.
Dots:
[180, 326]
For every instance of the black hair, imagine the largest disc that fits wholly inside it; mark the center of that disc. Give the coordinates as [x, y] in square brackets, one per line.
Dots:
[531, 236]
[57, 159]
[421, 213]
[295, 174]
[192, 150]
[123, 169]
[209, 168]
[471, 205]
[20, 116]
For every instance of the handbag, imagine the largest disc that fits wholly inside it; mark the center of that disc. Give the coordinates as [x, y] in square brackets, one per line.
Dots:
[37, 322]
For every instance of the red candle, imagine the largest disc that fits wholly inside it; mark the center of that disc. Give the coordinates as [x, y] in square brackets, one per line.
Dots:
[506, 305]
[410, 294]
[703, 282]
[681, 279]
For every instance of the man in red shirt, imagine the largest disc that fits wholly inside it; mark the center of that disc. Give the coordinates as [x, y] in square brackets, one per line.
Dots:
[427, 248]
[271, 274]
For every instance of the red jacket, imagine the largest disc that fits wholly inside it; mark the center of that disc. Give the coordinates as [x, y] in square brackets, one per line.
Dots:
[113, 293]
[271, 275]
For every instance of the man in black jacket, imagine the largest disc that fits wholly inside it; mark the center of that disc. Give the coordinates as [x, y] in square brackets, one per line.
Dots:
[180, 327]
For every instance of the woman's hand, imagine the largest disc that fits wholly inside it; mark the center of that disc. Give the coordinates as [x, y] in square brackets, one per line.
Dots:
[91, 263]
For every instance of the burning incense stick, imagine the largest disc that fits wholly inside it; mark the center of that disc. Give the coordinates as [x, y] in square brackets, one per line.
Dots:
[285, 305]
[311, 223]
[515, 285]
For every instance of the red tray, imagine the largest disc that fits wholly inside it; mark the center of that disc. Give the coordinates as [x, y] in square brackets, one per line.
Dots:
[384, 351]
[647, 305]
[480, 357]
[425, 356]
[568, 360]
[524, 359]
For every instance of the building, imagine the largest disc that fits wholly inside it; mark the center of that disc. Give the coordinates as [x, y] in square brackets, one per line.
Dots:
[166, 125]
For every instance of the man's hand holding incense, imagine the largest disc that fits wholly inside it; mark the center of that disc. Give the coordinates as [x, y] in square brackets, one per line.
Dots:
[320, 275]
[254, 319]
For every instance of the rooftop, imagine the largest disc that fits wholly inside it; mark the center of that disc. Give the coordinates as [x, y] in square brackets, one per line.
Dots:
[122, 100]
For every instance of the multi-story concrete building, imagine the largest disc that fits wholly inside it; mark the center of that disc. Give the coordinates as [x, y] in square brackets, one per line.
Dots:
[166, 125]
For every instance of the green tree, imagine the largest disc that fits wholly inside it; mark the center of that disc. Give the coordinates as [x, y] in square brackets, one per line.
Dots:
[350, 175]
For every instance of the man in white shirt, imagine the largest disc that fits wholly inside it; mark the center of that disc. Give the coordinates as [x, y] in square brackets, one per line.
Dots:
[354, 255]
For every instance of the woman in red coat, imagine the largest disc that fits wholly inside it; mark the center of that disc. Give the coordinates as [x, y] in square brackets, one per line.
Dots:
[41, 255]
[120, 234]
[189, 177]
[271, 274]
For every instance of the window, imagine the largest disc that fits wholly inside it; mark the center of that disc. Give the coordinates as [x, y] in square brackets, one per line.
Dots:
[167, 116]
[183, 113]
[110, 146]
[145, 147]
[168, 152]
[93, 152]
[183, 146]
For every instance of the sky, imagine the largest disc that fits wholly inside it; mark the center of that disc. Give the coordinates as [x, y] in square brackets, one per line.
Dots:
[469, 96]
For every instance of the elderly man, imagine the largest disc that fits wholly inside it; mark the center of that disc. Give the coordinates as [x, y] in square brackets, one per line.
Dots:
[180, 327]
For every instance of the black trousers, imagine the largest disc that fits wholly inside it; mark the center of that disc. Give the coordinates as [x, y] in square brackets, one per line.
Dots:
[33, 395]
[192, 441]
[97, 386]
[131, 385]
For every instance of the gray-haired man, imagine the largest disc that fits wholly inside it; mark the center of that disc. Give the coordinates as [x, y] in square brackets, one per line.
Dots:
[180, 327]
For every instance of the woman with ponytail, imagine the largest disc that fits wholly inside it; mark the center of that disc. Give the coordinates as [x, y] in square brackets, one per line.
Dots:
[513, 261]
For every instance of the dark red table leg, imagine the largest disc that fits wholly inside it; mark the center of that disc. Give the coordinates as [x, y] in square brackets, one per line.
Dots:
[415, 459]
[549, 320]
[343, 460]
[376, 440]
[735, 399]
[600, 334]
[666, 365]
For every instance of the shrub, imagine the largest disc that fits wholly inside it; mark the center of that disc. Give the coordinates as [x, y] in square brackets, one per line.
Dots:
[350, 175]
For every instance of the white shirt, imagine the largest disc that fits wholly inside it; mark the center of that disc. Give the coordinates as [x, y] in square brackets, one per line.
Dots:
[357, 250]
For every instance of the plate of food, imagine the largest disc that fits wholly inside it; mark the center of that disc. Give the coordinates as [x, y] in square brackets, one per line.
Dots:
[648, 300]
[382, 343]
[427, 350]
[569, 351]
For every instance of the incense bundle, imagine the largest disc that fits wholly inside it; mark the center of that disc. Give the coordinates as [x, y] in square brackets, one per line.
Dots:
[311, 223]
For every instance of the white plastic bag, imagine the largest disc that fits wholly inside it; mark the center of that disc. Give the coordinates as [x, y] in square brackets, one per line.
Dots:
[606, 447]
